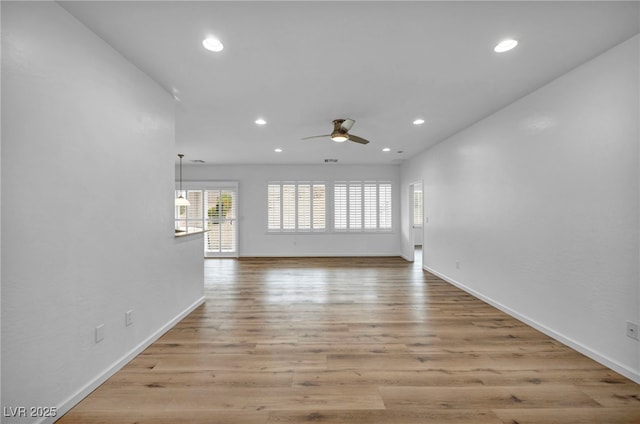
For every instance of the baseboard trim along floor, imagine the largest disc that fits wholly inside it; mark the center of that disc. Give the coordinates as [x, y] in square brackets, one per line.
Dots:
[117, 366]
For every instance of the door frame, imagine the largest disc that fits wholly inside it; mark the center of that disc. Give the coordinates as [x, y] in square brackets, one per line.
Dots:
[220, 185]
[412, 241]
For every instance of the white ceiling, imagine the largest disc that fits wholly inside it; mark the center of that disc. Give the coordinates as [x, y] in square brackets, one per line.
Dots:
[299, 65]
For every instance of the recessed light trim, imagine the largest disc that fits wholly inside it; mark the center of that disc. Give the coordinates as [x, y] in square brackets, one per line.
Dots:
[386, 149]
[277, 150]
[260, 121]
[505, 45]
[212, 44]
[418, 121]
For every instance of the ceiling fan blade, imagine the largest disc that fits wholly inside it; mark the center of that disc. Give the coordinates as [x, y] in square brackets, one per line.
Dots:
[347, 124]
[316, 136]
[358, 139]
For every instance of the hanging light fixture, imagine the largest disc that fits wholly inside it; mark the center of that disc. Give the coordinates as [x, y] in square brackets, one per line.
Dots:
[180, 200]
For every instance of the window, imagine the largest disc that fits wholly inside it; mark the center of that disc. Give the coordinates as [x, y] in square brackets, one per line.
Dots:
[417, 208]
[296, 207]
[362, 206]
[358, 206]
[190, 218]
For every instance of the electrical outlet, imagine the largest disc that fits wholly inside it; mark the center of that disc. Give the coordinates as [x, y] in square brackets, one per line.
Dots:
[128, 318]
[632, 330]
[99, 333]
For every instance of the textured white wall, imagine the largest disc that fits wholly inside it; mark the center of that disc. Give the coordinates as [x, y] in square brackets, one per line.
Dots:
[87, 209]
[539, 204]
[252, 200]
[0, 230]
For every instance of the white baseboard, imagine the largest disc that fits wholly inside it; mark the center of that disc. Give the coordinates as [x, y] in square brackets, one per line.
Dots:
[319, 255]
[596, 356]
[407, 258]
[115, 367]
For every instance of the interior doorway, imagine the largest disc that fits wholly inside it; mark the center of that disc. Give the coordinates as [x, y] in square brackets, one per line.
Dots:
[416, 219]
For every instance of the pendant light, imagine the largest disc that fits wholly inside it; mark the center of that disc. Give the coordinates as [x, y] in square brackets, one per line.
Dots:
[180, 200]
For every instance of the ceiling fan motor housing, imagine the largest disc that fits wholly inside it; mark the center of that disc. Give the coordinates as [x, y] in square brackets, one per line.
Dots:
[339, 134]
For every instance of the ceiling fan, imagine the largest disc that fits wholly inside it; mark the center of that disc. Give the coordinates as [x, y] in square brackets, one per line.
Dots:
[340, 132]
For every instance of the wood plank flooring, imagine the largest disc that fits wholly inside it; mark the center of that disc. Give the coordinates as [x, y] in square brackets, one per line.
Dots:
[353, 340]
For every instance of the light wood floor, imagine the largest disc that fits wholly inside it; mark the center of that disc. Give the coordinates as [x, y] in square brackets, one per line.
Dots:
[353, 340]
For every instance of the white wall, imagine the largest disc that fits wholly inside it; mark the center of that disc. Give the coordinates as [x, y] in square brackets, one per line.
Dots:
[539, 204]
[87, 210]
[1, 231]
[252, 201]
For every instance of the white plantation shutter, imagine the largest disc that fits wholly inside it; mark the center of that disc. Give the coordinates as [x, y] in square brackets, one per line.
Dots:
[304, 206]
[417, 208]
[289, 207]
[212, 237]
[340, 206]
[296, 206]
[273, 207]
[384, 206]
[319, 207]
[362, 206]
[194, 210]
[227, 229]
[355, 206]
[370, 206]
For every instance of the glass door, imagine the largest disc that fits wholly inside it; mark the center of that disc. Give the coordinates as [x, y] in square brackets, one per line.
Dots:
[214, 211]
[220, 222]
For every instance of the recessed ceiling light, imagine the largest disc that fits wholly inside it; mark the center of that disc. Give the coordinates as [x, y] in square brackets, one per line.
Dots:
[418, 121]
[212, 44]
[505, 45]
[260, 121]
[278, 150]
[386, 149]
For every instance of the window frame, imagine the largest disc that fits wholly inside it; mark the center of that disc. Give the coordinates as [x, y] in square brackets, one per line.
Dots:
[292, 221]
[357, 202]
[384, 211]
[417, 204]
